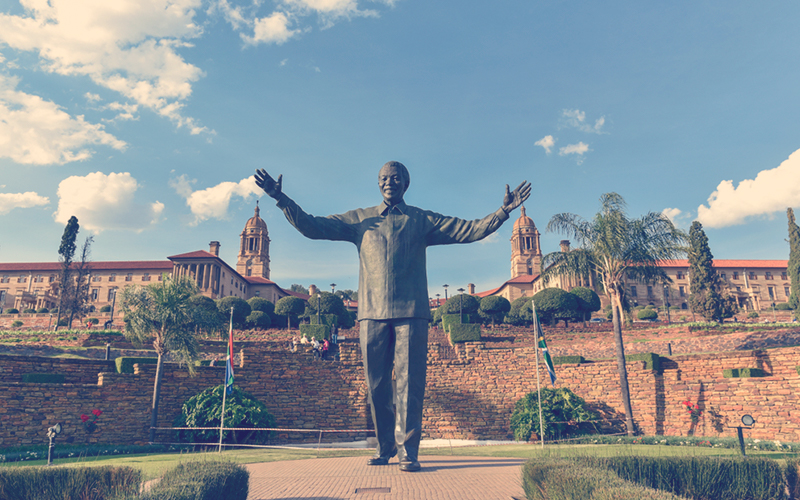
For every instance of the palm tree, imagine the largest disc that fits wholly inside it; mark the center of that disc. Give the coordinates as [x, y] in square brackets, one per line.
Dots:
[164, 312]
[611, 247]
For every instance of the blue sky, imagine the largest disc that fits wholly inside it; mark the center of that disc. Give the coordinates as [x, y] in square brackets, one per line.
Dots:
[146, 119]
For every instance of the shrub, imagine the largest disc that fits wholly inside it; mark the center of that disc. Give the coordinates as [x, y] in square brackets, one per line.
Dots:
[261, 304]
[464, 332]
[318, 332]
[258, 319]
[125, 363]
[700, 477]
[105, 309]
[327, 303]
[291, 307]
[520, 312]
[494, 308]
[348, 319]
[326, 319]
[241, 410]
[16, 324]
[88, 483]
[564, 414]
[647, 314]
[553, 304]
[12, 310]
[93, 321]
[793, 477]
[652, 361]
[568, 360]
[43, 378]
[241, 309]
[42, 310]
[588, 301]
[783, 306]
[461, 303]
[29, 311]
[449, 320]
[549, 479]
[202, 481]
[752, 315]
[743, 373]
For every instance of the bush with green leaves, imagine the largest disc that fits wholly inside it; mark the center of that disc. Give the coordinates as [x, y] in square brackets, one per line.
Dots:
[564, 414]
[208, 317]
[16, 324]
[105, 309]
[12, 310]
[520, 312]
[261, 304]
[241, 310]
[783, 306]
[29, 311]
[554, 304]
[752, 315]
[241, 410]
[494, 308]
[200, 480]
[86, 483]
[259, 320]
[461, 303]
[290, 308]
[588, 301]
[42, 310]
[647, 314]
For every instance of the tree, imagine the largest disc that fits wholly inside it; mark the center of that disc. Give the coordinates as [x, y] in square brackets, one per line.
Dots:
[610, 246]
[208, 318]
[261, 304]
[794, 262]
[553, 304]
[291, 307]
[78, 300]
[66, 252]
[259, 320]
[706, 297]
[347, 295]
[461, 303]
[520, 312]
[647, 314]
[298, 288]
[588, 301]
[164, 312]
[494, 307]
[241, 310]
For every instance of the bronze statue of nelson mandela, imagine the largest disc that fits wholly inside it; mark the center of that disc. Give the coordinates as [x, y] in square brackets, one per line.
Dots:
[393, 307]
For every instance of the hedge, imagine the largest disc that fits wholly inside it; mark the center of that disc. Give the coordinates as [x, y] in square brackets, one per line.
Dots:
[465, 332]
[700, 477]
[318, 332]
[453, 319]
[327, 319]
[210, 480]
[43, 378]
[743, 373]
[652, 361]
[793, 477]
[47, 483]
[125, 363]
[568, 360]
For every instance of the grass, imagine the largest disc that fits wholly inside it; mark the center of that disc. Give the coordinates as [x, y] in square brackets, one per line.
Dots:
[153, 465]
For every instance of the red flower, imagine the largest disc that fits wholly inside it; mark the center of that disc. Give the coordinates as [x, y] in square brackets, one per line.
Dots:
[84, 418]
[97, 413]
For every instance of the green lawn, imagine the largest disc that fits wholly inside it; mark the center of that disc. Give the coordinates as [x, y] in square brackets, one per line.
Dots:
[154, 465]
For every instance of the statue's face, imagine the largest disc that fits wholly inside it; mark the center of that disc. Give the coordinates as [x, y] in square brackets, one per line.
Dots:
[392, 183]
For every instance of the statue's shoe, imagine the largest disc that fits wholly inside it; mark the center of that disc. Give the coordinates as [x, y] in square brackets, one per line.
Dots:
[382, 460]
[409, 464]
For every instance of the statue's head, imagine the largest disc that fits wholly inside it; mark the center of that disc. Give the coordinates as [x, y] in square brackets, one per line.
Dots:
[393, 181]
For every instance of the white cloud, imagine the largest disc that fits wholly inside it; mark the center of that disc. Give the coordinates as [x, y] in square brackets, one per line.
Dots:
[10, 201]
[124, 111]
[672, 213]
[129, 46]
[92, 97]
[271, 29]
[213, 202]
[102, 202]
[34, 131]
[576, 118]
[771, 191]
[574, 149]
[547, 142]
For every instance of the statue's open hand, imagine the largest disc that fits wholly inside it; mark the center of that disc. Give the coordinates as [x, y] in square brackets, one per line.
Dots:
[268, 184]
[517, 197]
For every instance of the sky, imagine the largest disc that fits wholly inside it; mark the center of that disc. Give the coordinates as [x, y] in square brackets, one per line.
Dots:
[147, 118]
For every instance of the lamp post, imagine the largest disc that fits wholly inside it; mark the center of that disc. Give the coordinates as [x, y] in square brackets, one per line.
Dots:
[52, 432]
[773, 312]
[333, 288]
[461, 305]
[666, 302]
[445, 292]
[437, 299]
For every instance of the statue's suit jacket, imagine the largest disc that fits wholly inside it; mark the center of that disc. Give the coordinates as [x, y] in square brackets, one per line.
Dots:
[391, 243]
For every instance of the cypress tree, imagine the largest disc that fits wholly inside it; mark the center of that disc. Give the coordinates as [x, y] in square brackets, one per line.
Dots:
[794, 261]
[705, 296]
[66, 252]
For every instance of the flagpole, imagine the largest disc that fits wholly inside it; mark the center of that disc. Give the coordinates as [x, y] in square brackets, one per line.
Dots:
[225, 385]
[538, 384]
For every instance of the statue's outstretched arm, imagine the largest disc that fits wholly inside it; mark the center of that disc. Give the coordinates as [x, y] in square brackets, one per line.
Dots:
[270, 185]
[514, 198]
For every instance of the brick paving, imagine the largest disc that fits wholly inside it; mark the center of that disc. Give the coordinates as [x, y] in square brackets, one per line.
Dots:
[441, 478]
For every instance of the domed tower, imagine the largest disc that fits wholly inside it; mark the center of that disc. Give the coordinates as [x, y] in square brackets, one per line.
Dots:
[254, 248]
[526, 254]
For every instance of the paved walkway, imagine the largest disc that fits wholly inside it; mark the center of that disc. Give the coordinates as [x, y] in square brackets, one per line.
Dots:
[441, 478]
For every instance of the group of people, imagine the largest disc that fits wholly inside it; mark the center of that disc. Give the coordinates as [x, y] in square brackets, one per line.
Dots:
[319, 349]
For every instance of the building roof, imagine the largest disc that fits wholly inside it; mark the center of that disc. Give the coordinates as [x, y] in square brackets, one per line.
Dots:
[97, 266]
[258, 280]
[256, 221]
[197, 254]
[740, 263]
[488, 292]
[303, 296]
[524, 220]
[525, 278]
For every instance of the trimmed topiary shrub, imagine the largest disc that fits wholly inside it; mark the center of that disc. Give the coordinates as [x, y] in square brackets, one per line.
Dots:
[494, 308]
[647, 314]
[258, 319]
[241, 410]
[29, 311]
[327, 319]
[652, 361]
[105, 309]
[783, 306]
[125, 363]
[568, 360]
[318, 332]
[464, 332]
[209, 480]
[752, 315]
[564, 414]
[16, 324]
[453, 319]
[12, 310]
[43, 378]
[241, 310]
[261, 304]
[90, 483]
[93, 321]
[42, 310]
